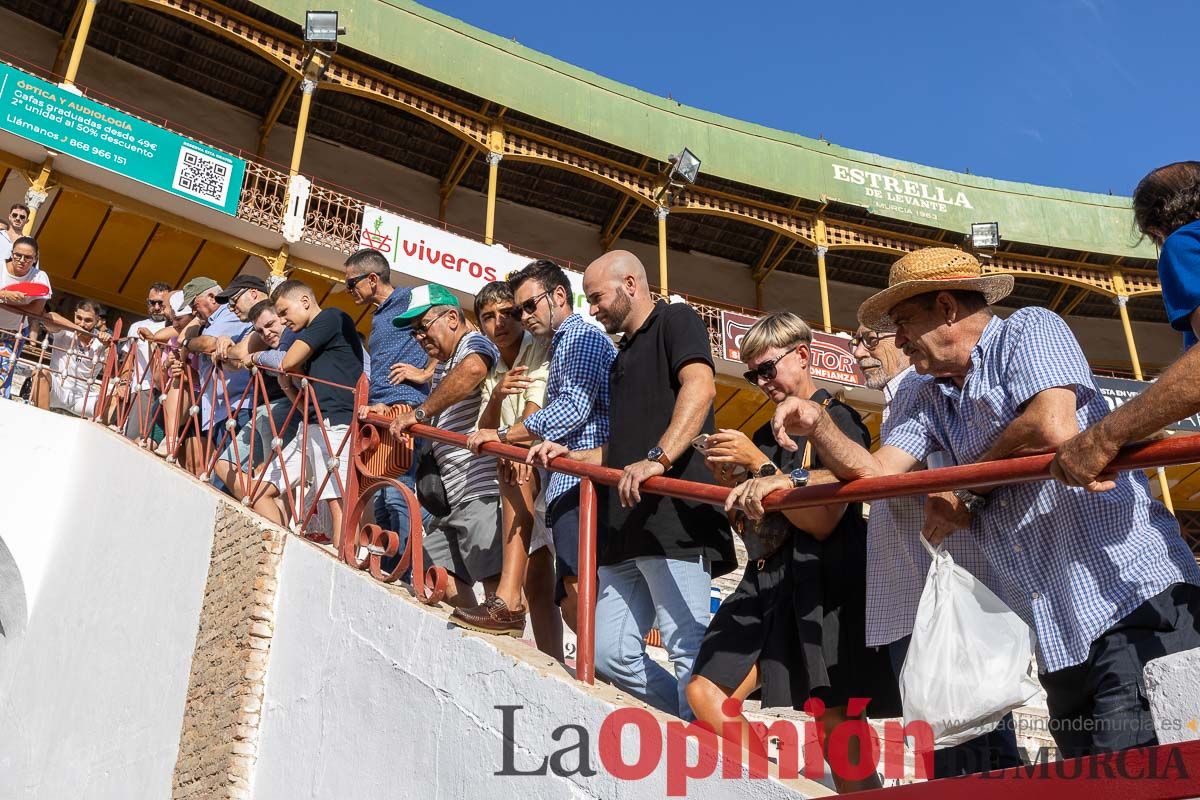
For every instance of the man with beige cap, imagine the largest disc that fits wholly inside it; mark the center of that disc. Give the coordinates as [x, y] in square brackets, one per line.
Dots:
[1104, 580]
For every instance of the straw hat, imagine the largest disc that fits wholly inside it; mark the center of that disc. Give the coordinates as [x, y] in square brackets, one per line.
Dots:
[931, 269]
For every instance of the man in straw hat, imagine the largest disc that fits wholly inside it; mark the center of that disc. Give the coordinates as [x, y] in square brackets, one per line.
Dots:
[1104, 580]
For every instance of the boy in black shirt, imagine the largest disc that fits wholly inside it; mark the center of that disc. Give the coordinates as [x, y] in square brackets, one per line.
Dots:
[328, 350]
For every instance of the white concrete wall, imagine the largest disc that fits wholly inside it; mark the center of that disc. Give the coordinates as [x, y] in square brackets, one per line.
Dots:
[529, 229]
[370, 694]
[112, 552]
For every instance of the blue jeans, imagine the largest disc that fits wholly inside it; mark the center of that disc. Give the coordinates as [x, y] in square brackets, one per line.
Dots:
[633, 596]
[391, 513]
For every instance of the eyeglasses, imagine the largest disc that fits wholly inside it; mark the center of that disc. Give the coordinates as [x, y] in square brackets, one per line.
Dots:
[352, 282]
[22, 257]
[423, 330]
[869, 340]
[232, 301]
[530, 305]
[766, 370]
[18, 217]
[153, 303]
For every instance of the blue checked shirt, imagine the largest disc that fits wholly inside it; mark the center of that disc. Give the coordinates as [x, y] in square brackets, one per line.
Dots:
[1069, 562]
[897, 562]
[576, 410]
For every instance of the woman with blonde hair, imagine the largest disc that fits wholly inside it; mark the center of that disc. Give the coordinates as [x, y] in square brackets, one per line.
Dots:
[795, 626]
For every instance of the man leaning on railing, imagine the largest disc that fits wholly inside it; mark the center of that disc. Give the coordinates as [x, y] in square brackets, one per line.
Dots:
[77, 350]
[136, 377]
[1105, 580]
[465, 541]
[656, 555]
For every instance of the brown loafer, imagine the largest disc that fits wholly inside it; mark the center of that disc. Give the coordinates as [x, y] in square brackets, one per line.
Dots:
[492, 617]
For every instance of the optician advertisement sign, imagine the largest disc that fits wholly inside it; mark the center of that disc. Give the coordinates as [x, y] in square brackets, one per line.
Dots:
[831, 357]
[433, 255]
[66, 123]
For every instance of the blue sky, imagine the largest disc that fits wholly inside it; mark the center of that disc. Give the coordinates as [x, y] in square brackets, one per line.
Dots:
[1082, 94]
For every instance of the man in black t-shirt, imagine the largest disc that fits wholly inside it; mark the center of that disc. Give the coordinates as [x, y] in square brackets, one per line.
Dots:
[657, 554]
[328, 350]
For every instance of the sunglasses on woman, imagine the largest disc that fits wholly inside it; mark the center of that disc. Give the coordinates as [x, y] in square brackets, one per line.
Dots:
[766, 370]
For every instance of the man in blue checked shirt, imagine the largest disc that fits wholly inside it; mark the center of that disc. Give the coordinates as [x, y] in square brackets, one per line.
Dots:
[1105, 580]
[576, 410]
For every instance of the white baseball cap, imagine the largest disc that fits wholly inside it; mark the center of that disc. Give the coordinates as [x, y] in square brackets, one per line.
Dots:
[179, 307]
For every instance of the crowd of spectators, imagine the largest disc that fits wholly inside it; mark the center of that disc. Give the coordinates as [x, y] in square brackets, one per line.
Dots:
[826, 603]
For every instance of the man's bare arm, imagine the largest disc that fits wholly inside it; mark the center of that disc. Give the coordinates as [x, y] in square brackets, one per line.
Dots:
[696, 394]
[1047, 421]
[458, 383]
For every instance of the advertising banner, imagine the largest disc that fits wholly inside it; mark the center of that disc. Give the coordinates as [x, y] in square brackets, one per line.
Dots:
[66, 123]
[433, 255]
[831, 358]
[1117, 391]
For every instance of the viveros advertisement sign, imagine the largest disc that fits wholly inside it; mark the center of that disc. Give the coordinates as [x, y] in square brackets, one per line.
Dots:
[434, 255]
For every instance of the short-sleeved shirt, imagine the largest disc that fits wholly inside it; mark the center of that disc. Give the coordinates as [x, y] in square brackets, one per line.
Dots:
[644, 384]
[897, 562]
[213, 408]
[74, 365]
[1179, 277]
[534, 355]
[337, 358]
[1069, 562]
[9, 320]
[465, 475]
[576, 410]
[390, 345]
[142, 375]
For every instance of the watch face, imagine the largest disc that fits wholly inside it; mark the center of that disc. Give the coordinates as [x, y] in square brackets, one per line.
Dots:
[654, 454]
[799, 477]
[767, 470]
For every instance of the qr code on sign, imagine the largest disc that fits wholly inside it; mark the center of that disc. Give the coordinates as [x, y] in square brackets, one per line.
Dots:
[202, 175]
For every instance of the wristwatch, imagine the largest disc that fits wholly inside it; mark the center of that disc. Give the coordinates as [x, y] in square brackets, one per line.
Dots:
[974, 503]
[419, 414]
[502, 434]
[799, 477]
[766, 470]
[657, 454]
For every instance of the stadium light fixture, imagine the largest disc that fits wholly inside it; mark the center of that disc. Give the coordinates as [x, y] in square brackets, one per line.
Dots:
[322, 27]
[681, 170]
[985, 235]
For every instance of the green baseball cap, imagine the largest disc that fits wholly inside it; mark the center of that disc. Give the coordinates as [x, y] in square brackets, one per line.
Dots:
[196, 287]
[424, 298]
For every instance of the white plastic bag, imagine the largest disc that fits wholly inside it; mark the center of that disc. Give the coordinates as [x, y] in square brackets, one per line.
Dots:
[969, 658]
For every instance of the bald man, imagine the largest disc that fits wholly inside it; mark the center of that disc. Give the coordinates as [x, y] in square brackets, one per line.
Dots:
[657, 555]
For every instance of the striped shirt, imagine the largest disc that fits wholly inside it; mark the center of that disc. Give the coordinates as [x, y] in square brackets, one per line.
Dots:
[466, 475]
[1069, 562]
[577, 395]
[897, 562]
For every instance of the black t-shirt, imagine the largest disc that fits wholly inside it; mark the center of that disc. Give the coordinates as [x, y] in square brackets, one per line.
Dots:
[337, 357]
[644, 384]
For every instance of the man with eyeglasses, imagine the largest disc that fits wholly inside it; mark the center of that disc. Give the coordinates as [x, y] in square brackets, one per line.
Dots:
[400, 370]
[575, 413]
[21, 266]
[465, 542]
[136, 375]
[213, 332]
[18, 215]
[897, 562]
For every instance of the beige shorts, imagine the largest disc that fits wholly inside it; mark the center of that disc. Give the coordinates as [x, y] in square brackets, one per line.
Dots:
[311, 452]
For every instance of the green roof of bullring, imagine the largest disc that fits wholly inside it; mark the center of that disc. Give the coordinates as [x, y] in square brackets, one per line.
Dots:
[509, 74]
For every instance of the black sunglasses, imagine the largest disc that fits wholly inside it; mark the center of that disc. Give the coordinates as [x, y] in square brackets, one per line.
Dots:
[530, 305]
[869, 340]
[352, 282]
[766, 370]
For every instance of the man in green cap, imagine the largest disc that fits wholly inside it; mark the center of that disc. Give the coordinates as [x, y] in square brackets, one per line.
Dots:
[466, 542]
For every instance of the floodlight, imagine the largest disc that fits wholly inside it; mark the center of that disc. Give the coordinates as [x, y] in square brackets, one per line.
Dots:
[684, 167]
[322, 26]
[985, 235]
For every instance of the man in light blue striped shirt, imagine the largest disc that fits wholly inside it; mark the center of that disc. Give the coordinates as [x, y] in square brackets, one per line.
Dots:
[1105, 580]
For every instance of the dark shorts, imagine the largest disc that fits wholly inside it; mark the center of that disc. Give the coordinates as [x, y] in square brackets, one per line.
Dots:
[1100, 706]
[563, 518]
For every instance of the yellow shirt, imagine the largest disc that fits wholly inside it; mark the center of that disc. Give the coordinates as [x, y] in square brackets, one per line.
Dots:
[535, 355]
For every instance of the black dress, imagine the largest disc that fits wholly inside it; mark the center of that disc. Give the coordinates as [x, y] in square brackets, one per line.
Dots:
[800, 613]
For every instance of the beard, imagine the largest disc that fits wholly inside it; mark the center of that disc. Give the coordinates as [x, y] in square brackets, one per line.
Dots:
[874, 374]
[616, 314]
